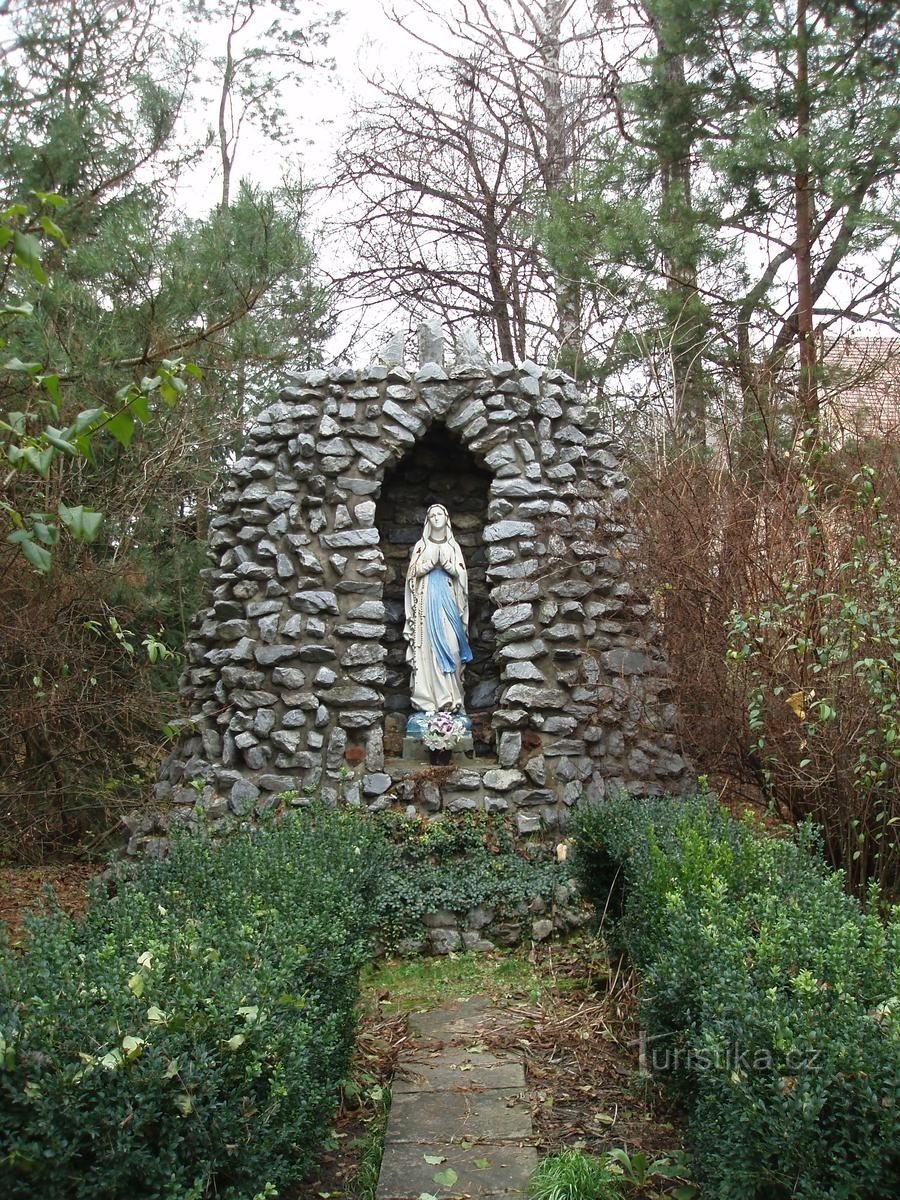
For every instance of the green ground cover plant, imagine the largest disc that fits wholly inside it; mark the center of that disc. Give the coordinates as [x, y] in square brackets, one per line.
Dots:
[188, 1038]
[770, 997]
[457, 863]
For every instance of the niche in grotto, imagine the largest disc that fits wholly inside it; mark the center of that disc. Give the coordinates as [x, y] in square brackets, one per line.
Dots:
[437, 470]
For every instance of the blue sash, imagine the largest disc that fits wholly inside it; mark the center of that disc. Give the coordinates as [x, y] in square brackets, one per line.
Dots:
[439, 603]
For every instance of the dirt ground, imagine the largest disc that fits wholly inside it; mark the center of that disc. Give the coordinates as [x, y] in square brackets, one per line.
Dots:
[22, 890]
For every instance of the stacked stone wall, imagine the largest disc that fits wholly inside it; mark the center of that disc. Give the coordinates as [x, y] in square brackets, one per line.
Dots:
[296, 678]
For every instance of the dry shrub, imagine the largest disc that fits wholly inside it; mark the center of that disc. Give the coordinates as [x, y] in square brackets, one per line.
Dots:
[779, 589]
[80, 715]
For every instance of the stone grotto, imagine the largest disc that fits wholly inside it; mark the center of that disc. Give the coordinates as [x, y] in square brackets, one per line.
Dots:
[296, 682]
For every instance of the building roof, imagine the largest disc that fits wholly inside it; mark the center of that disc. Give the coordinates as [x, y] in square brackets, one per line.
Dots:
[861, 395]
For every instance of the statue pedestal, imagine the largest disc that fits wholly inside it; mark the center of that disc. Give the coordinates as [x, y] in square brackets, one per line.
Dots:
[415, 750]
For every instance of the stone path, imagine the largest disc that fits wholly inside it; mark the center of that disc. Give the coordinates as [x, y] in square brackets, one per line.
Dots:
[460, 1107]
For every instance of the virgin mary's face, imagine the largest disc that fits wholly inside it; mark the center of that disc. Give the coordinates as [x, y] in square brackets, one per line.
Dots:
[437, 518]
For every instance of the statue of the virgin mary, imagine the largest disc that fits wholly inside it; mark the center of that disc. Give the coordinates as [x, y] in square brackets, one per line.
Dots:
[437, 616]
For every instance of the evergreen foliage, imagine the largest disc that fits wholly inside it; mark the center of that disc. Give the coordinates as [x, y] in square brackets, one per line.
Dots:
[770, 997]
[189, 1037]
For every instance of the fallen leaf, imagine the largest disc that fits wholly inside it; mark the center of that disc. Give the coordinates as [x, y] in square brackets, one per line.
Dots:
[435, 1159]
[446, 1178]
[480, 1164]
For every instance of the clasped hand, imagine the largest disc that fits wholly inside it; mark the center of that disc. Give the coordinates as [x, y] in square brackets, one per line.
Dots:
[437, 556]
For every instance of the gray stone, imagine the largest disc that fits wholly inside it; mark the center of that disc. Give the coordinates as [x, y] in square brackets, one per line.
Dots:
[288, 677]
[360, 629]
[535, 697]
[431, 343]
[505, 618]
[362, 654]
[350, 538]
[528, 822]
[502, 780]
[315, 601]
[484, 693]
[287, 740]
[277, 783]
[375, 750]
[431, 373]
[376, 784]
[502, 531]
[325, 677]
[337, 744]
[444, 941]
[267, 655]
[509, 748]
[264, 722]
[315, 653]
[347, 697]
[622, 661]
[253, 699]
[524, 670]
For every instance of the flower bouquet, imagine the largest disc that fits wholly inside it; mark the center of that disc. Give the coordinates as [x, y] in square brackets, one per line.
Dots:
[441, 734]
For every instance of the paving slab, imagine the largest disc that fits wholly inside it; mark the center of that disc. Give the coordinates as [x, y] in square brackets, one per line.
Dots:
[481, 1170]
[452, 1021]
[488, 1116]
[447, 1071]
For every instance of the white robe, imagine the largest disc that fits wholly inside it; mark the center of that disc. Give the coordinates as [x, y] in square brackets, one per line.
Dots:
[433, 690]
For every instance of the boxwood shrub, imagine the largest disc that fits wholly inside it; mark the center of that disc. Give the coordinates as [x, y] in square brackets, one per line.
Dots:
[770, 998]
[188, 1037]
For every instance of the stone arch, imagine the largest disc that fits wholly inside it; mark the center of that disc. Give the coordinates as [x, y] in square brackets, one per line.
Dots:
[288, 666]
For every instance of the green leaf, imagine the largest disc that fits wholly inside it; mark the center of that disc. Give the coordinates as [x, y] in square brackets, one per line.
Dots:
[28, 255]
[53, 199]
[446, 1178]
[50, 384]
[156, 1016]
[22, 309]
[17, 421]
[137, 983]
[140, 408]
[51, 228]
[193, 369]
[55, 437]
[82, 523]
[48, 534]
[235, 1043]
[435, 1160]
[87, 419]
[16, 364]
[481, 1164]
[40, 460]
[121, 426]
[173, 1066]
[36, 555]
[184, 1104]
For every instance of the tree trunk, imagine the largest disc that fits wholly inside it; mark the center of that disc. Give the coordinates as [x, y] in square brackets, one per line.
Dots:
[557, 180]
[687, 324]
[807, 390]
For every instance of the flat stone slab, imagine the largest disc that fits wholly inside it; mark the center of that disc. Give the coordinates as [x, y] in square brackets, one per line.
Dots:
[500, 1170]
[461, 1069]
[452, 1022]
[491, 1115]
